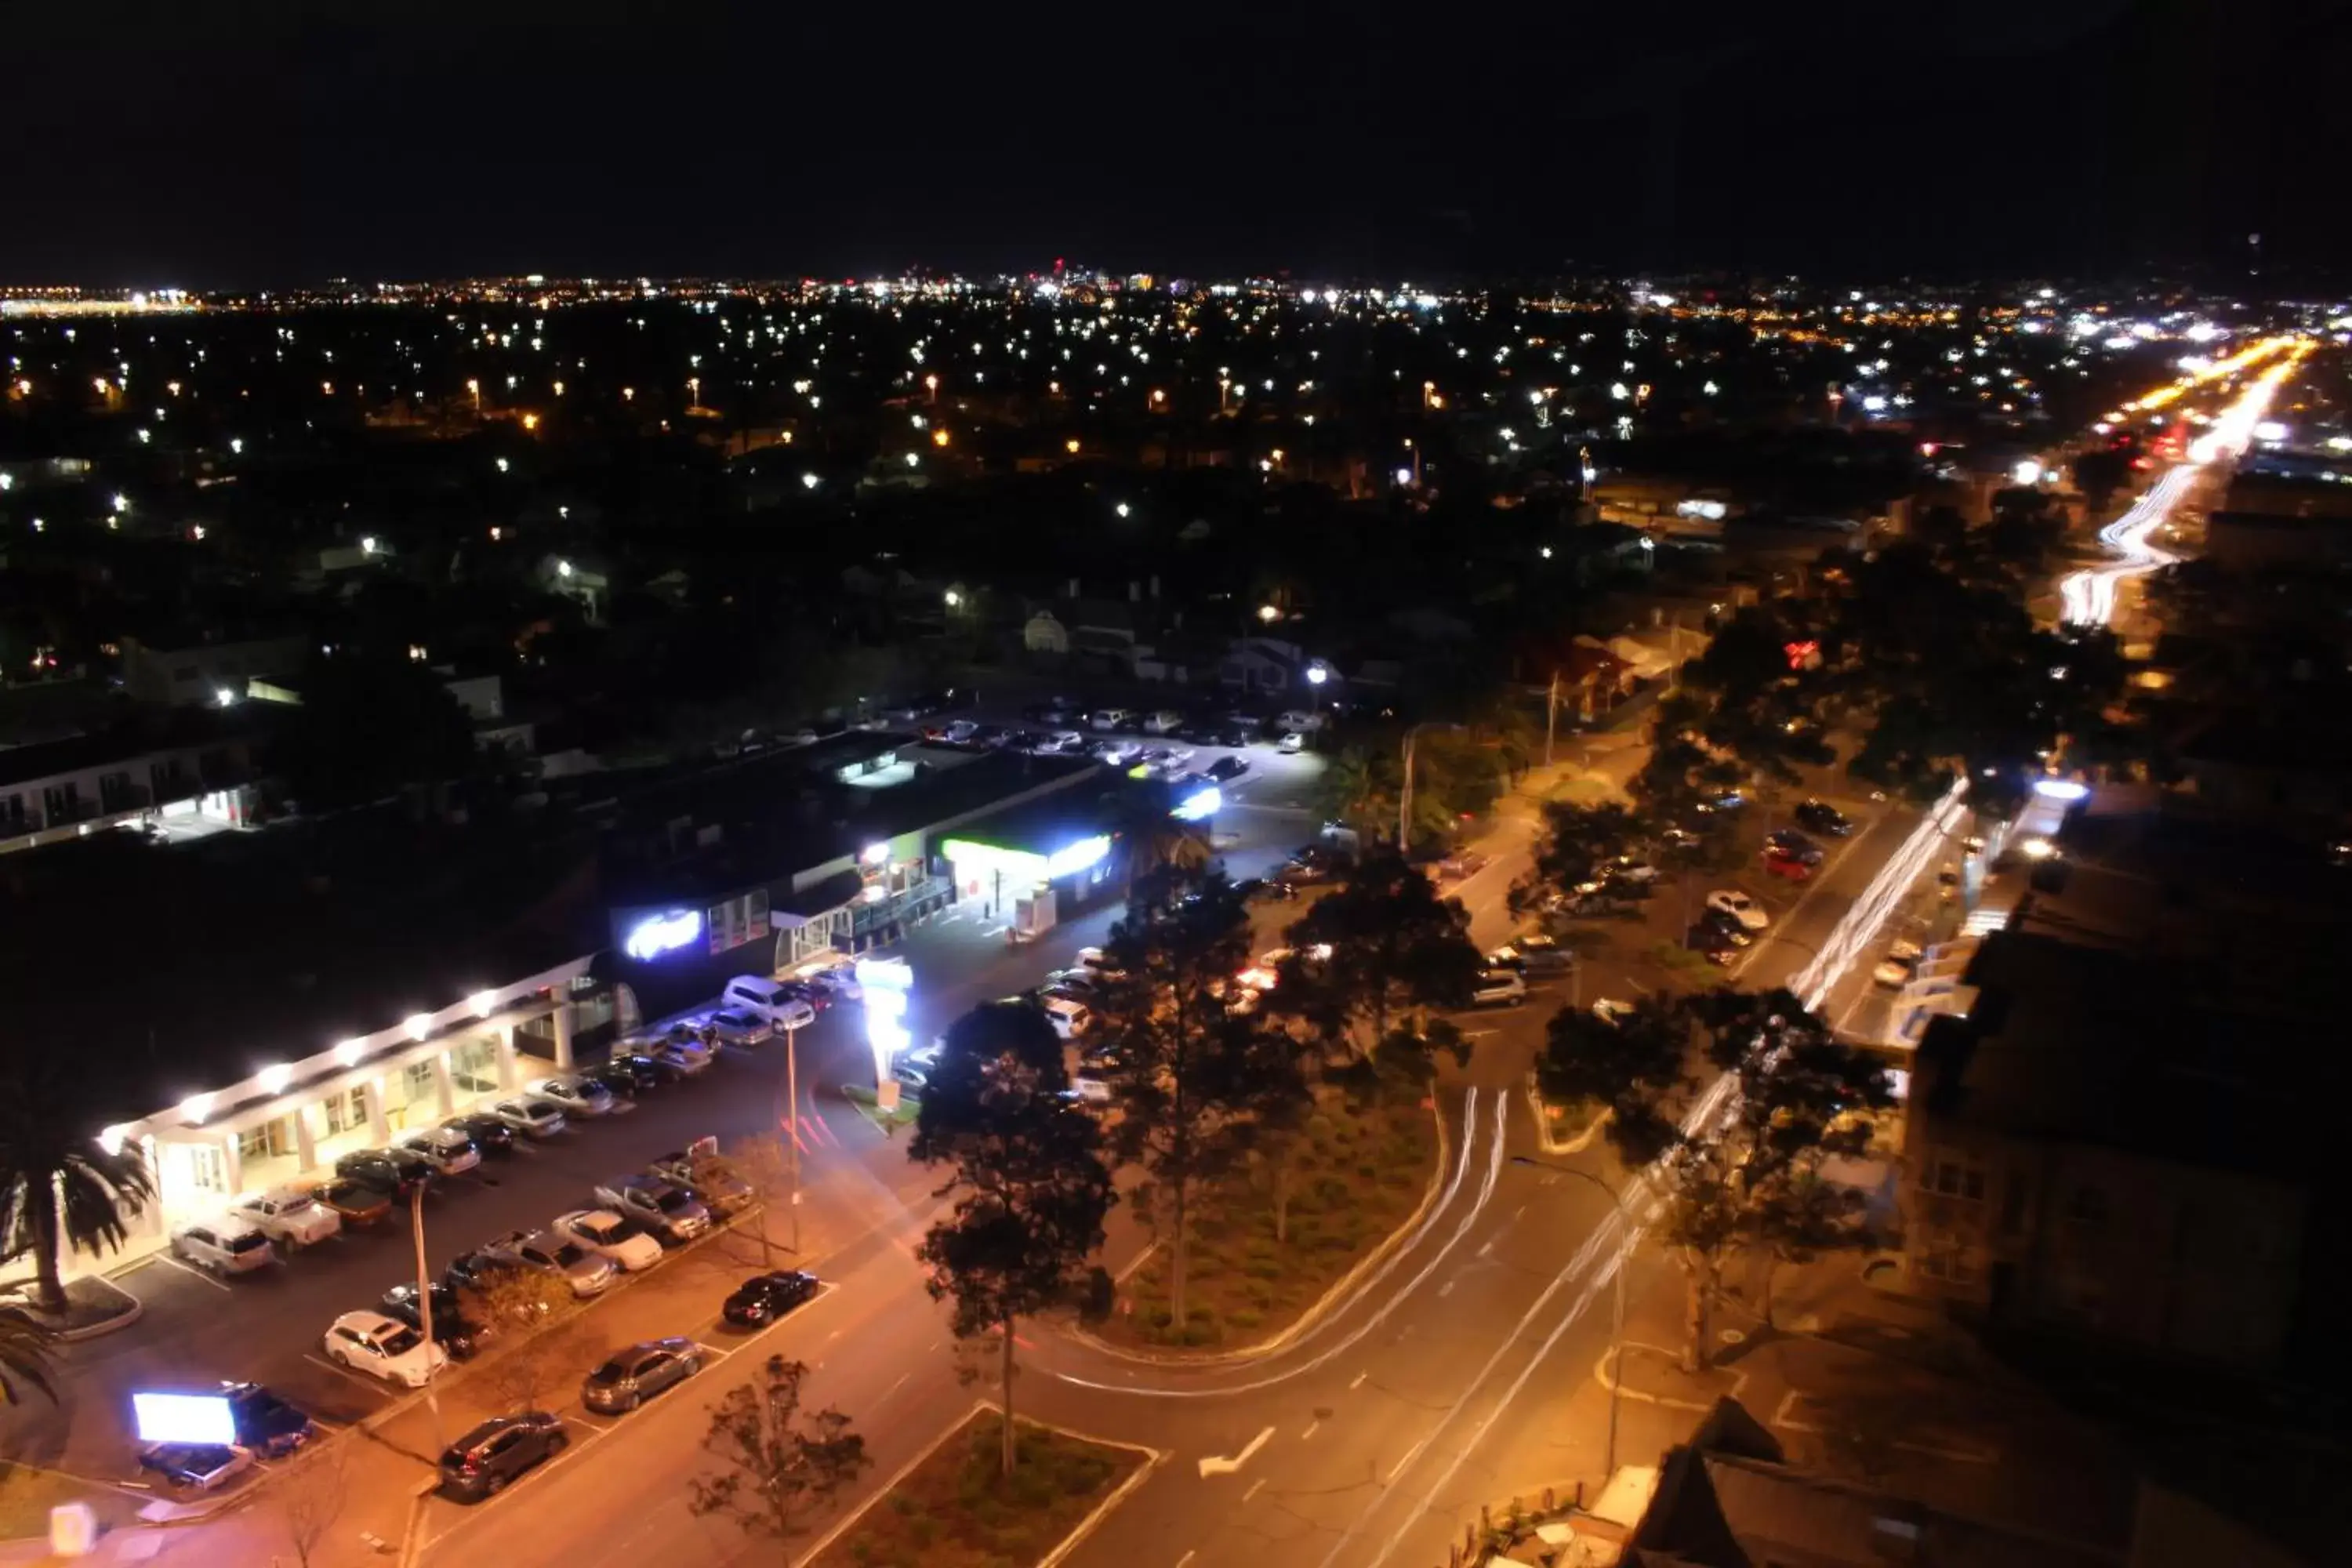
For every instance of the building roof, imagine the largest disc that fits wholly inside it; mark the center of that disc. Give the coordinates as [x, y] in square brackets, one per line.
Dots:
[173, 969]
[148, 730]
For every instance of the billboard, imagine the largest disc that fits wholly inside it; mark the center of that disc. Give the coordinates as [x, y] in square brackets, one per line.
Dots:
[183, 1418]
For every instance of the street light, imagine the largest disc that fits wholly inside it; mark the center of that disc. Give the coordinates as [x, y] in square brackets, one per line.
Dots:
[1617, 1297]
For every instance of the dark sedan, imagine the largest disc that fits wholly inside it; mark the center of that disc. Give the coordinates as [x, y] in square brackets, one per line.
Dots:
[265, 1423]
[490, 1134]
[764, 1298]
[400, 1171]
[452, 1329]
[1822, 817]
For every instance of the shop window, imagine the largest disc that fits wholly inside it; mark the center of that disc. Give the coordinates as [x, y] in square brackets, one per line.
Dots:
[474, 1066]
[253, 1144]
[346, 1112]
[417, 1084]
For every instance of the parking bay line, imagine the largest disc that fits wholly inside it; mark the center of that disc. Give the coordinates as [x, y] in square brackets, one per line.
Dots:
[168, 1260]
[367, 1383]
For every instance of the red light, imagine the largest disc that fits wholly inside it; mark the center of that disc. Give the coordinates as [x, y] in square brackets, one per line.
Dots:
[1800, 653]
[2139, 462]
[1927, 448]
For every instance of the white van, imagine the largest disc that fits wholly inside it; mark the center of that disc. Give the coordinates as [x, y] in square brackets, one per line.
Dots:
[1070, 1019]
[1108, 719]
[756, 993]
[1298, 721]
[1162, 722]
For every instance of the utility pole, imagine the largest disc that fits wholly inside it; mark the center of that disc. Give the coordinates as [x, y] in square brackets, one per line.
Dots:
[1551, 714]
[424, 1307]
[792, 1090]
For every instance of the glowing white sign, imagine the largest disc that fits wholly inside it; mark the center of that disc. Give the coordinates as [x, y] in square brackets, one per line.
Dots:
[1078, 857]
[885, 981]
[182, 1418]
[1200, 804]
[658, 934]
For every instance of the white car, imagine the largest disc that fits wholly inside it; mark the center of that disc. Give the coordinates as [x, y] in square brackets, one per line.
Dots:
[1108, 719]
[1069, 1016]
[383, 1347]
[1739, 907]
[1902, 962]
[1061, 741]
[607, 1234]
[1291, 743]
[1161, 722]
[450, 1151]
[1080, 979]
[530, 1115]
[575, 1094]
[292, 1215]
[657, 1205]
[1609, 1010]
[1630, 868]
[229, 1244]
[735, 1026]
[1498, 988]
[689, 1056]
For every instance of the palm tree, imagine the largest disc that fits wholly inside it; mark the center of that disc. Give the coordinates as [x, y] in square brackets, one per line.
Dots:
[1146, 839]
[57, 1186]
[24, 1359]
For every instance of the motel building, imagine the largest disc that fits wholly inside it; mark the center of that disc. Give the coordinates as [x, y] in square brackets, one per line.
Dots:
[288, 1122]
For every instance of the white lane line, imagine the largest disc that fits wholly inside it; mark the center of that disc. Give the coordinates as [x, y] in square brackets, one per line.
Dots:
[169, 1261]
[1357, 1382]
[1312, 1427]
[1186, 1558]
[1446, 1288]
[1255, 1487]
[1406, 1463]
[896, 1386]
[370, 1385]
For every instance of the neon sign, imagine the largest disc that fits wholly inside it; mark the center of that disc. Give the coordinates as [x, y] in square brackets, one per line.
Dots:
[658, 934]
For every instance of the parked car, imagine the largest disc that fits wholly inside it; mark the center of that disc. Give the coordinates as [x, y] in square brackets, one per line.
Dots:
[769, 998]
[1723, 920]
[587, 1274]
[265, 1424]
[1899, 964]
[1061, 741]
[1110, 718]
[1069, 1016]
[194, 1467]
[1291, 743]
[482, 1462]
[607, 1234]
[290, 1214]
[400, 1171]
[490, 1136]
[452, 1329]
[1795, 845]
[688, 1054]
[1630, 868]
[1731, 901]
[711, 1185]
[738, 1027]
[534, 1116]
[1610, 1010]
[356, 1204]
[621, 1078]
[1786, 866]
[1164, 721]
[1822, 817]
[449, 1151]
[1498, 988]
[383, 1347]
[634, 1375]
[575, 1093]
[662, 1208]
[1713, 942]
[649, 1068]
[228, 1244]
[1078, 980]
[764, 1298]
[1227, 769]
[1262, 891]
[477, 1269]
[960, 732]
[1532, 952]
[1115, 753]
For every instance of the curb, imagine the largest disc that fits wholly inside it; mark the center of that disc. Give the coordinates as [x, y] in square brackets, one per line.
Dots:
[1576, 1145]
[817, 1548]
[1323, 1307]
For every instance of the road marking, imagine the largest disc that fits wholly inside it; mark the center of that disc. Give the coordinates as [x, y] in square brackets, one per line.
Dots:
[1312, 1427]
[1486, 1249]
[1186, 1558]
[340, 1370]
[1446, 1288]
[1358, 1382]
[716, 1352]
[1518, 1212]
[1406, 1463]
[1217, 1465]
[1254, 1487]
[896, 1386]
[166, 1258]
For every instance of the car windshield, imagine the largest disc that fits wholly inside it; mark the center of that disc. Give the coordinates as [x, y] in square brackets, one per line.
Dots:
[541, 1110]
[400, 1341]
[613, 1370]
[248, 1242]
[671, 1201]
[568, 1253]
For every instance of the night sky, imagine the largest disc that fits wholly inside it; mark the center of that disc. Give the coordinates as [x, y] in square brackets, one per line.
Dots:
[254, 143]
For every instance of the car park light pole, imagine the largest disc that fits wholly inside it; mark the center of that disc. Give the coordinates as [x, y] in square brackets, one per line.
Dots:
[424, 1310]
[1617, 1295]
[792, 1116]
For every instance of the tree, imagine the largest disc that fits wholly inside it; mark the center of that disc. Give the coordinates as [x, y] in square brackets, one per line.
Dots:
[1799, 1218]
[1578, 840]
[763, 1163]
[1146, 839]
[1358, 789]
[1633, 1066]
[1028, 1178]
[1190, 1074]
[524, 1303]
[368, 728]
[58, 1186]
[1382, 942]
[2098, 474]
[1702, 1220]
[781, 1466]
[308, 1503]
[26, 1352]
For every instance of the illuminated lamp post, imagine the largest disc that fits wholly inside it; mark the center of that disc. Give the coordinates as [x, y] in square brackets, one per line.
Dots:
[1617, 1296]
[886, 983]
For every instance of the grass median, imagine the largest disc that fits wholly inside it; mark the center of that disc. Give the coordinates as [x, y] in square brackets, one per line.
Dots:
[957, 1509]
[1278, 1231]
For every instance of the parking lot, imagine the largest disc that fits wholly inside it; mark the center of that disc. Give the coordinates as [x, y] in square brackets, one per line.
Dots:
[266, 1326]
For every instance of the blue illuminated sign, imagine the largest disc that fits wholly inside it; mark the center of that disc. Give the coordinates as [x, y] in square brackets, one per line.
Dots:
[658, 934]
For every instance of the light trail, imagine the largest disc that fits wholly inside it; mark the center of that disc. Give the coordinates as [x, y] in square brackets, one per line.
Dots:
[2090, 593]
